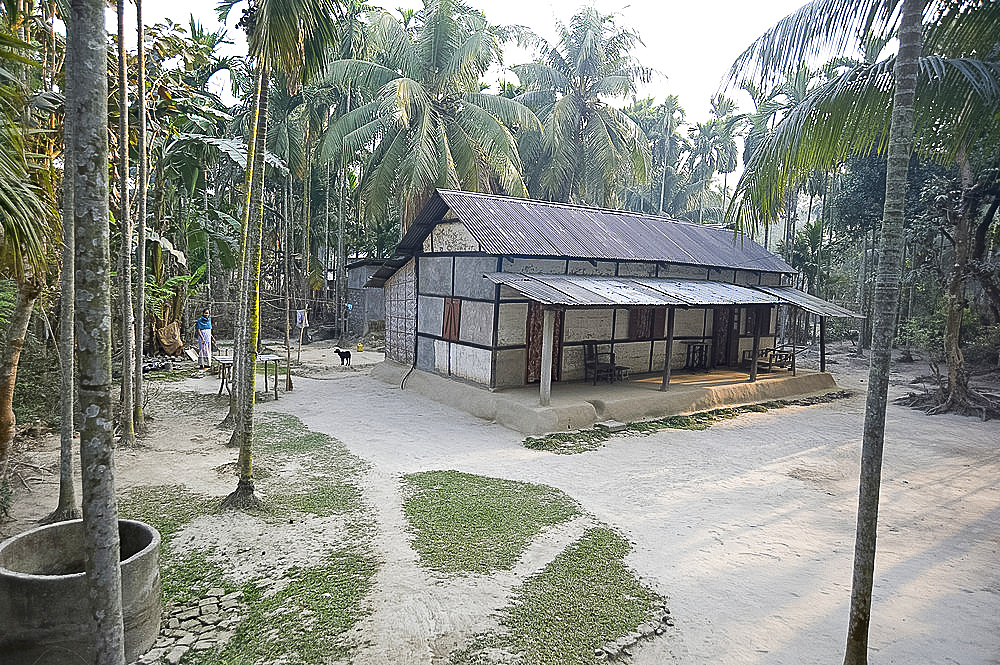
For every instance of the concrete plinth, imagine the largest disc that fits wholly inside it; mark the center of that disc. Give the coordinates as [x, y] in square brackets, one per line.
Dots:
[579, 405]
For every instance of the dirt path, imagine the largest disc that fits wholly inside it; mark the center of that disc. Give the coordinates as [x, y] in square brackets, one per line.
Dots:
[747, 528]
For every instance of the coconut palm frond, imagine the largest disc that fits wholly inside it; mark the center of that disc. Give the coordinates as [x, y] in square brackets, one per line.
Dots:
[955, 105]
[816, 28]
[511, 113]
[360, 75]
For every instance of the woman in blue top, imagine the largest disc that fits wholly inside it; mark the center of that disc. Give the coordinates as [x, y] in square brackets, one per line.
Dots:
[204, 327]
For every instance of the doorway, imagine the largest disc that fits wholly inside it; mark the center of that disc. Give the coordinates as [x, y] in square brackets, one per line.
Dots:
[725, 336]
[535, 343]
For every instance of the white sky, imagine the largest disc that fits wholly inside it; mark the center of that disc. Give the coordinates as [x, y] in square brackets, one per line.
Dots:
[690, 44]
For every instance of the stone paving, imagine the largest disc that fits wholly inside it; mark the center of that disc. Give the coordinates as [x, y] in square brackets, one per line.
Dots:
[199, 625]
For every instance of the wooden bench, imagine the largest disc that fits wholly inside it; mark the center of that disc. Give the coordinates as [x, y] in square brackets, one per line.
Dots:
[768, 359]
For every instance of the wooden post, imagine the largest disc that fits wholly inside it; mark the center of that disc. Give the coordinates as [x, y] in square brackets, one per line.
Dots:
[759, 315]
[670, 350]
[545, 381]
[795, 321]
[822, 343]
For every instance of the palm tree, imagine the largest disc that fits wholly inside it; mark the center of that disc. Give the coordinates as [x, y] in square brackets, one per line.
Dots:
[93, 327]
[426, 121]
[66, 508]
[661, 125]
[849, 115]
[138, 417]
[589, 151]
[125, 221]
[290, 35]
[713, 150]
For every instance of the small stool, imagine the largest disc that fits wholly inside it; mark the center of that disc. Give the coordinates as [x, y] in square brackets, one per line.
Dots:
[621, 373]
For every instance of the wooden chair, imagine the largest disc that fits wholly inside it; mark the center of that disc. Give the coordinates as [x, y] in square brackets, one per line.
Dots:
[784, 357]
[594, 367]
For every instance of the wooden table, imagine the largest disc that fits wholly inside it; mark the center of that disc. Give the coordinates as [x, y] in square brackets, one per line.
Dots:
[226, 365]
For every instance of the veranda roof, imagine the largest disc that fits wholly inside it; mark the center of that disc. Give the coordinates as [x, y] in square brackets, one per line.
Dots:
[598, 291]
[809, 302]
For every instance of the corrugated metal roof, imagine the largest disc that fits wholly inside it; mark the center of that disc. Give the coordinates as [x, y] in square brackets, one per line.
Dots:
[513, 226]
[594, 291]
[808, 302]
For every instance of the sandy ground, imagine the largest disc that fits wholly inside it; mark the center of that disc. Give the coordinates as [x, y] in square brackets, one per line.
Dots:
[747, 528]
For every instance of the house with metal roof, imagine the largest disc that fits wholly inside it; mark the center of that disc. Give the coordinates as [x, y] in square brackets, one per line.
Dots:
[504, 292]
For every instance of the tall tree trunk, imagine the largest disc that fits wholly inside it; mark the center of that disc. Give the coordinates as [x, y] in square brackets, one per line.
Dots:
[886, 296]
[984, 271]
[28, 289]
[791, 200]
[341, 282]
[286, 245]
[958, 375]
[138, 418]
[245, 354]
[208, 239]
[67, 509]
[93, 331]
[306, 242]
[125, 220]
[326, 234]
[863, 294]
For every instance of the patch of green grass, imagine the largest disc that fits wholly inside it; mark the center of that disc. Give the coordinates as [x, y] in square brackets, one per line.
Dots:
[568, 443]
[324, 482]
[583, 599]
[189, 577]
[484, 649]
[276, 433]
[587, 596]
[304, 621]
[166, 507]
[302, 617]
[464, 523]
[170, 376]
[191, 402]
[321, 497]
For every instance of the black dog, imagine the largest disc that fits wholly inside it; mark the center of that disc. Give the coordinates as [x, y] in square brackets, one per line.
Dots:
[345, 356]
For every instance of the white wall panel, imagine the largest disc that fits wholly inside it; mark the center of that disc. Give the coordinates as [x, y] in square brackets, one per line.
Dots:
[471, 363]
[584, 324]
[595, 268]
[441, 355]
[476, 322]
[630, 269]
[536, 266]
[513, 323]
[634, 355]
[690, 322]
[450, 237]
[435, 275]
[511, 368]
[431, 319]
